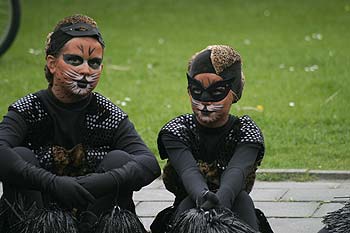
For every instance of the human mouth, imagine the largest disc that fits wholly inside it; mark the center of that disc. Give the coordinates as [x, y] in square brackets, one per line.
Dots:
[83, 83]
[205, 111]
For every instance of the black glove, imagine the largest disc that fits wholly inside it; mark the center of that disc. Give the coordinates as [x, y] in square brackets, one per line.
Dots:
[99, 184]
[226, 197]
[69, 193]
[208, 200]
[64, 189]
[233, 179]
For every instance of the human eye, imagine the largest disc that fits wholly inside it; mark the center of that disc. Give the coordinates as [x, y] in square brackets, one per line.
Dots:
[95, 63]
[219, 91]
[73, 60]
[196, 90]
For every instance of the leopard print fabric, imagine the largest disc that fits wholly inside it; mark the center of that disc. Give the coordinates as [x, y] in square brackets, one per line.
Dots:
[69, 162]
[223, 56]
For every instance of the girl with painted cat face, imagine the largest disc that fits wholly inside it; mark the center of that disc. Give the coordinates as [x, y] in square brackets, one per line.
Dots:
[69, 145]
[76, 70]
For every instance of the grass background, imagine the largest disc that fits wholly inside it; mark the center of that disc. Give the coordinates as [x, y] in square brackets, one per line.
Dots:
[295, 53]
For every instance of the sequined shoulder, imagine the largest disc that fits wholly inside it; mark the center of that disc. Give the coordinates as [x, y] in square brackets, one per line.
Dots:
[177, 125]
[249, 131]
[115, 115]
[30, 108]
[180, 127]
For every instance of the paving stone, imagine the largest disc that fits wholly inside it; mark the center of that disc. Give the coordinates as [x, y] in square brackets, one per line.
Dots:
[147, 221]
[295, 225]
[267, 194]
[151, 209]
[153, 195]
[298, 185]
[287, 209]
[156, 184]
[315, 194]
[326, 208]
[345, 184]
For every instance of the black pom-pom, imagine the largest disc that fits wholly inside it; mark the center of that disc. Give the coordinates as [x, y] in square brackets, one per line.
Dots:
[121, 221]
[217, 220]
[51, 219]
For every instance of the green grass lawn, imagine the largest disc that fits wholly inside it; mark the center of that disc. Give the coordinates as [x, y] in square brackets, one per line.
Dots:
[296, 58]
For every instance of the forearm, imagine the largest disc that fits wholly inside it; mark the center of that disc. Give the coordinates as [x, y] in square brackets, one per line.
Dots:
[185, 166]
[16, 171]
[12, 130]
[143, 166]
[241, 164]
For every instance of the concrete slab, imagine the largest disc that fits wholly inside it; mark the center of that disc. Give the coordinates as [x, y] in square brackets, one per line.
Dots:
[298, 185]
[151, 209]
[295, 225]
[345, 184]
[315, 194]
[156, 184]
[153, 195]
[267, 194]
[288, 209]
[147, 222]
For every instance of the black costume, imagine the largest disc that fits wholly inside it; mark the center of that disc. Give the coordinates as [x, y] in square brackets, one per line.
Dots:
[202, 158]
[92, 135]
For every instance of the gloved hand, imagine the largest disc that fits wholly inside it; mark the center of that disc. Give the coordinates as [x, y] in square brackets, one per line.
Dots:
[69, 193]
[225, 196]
[65, 190]
[99, 184]
[208, 200]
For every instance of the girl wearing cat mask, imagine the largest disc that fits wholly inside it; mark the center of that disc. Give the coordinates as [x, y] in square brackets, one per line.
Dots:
[212, 155]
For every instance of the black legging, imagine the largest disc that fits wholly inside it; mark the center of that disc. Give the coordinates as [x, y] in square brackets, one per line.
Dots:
[113, 159]
[243, 206]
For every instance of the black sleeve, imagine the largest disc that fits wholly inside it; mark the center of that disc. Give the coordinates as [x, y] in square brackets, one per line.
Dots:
[181, 158]
[12, 130]
[240, 165]
[144, 168]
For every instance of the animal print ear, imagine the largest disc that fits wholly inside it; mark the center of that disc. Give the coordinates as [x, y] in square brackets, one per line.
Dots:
[51, 63]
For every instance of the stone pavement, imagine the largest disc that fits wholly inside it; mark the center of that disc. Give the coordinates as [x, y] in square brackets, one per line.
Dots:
[291, 207]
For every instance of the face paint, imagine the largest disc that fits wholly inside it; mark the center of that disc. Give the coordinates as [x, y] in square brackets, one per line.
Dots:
[81, 84]
[76, 60]
[213, 93]
[77, 70]
[207, 108]
[211, 113]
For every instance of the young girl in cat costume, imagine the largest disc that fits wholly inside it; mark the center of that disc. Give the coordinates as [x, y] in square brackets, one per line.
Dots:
[67, 144]
[212, 155]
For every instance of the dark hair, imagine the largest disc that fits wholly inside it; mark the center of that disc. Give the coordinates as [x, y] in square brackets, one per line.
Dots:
[70, 20]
